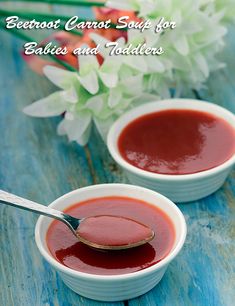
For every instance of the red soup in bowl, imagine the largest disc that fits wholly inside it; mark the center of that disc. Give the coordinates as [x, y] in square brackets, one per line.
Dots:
[177, 141]
[66, 248]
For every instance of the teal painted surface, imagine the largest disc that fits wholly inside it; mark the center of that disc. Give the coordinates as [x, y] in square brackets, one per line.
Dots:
[37, 164]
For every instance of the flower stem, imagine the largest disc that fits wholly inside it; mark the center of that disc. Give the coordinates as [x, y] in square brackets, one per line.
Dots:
[47, 17]
[39, 17]
[27, 38]
[64, 2]
[31, 15]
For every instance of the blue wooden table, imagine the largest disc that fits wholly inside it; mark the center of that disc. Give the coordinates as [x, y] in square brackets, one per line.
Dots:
[37, 164]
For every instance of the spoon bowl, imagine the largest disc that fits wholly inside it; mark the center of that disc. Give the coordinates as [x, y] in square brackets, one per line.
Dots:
[126, 233]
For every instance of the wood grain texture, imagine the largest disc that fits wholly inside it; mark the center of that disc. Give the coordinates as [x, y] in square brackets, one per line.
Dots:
[37, 164]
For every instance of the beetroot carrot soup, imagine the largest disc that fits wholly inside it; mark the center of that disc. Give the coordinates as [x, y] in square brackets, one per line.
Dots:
[177, 141]
[66, 248]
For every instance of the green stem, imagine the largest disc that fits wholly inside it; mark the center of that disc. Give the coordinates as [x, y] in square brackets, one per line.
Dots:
[39, 17]
[31, 15]
[45, 17]
[27, 38]
[64, 2]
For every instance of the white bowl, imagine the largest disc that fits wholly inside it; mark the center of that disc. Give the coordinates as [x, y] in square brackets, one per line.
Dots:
[178, 188]
[113, 287]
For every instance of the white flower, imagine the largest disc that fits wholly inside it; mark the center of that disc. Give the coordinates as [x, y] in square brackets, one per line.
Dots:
[190, 48]
[101, 93]
[95, 93]
[76, 90]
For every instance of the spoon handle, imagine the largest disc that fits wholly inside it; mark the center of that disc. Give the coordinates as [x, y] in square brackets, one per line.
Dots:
[13, 200]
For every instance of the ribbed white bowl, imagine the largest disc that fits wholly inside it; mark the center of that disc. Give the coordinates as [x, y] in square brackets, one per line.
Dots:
[115, 290]
[113, 287]
[178, 188]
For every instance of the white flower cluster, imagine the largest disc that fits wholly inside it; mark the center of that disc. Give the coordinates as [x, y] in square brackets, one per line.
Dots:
[94, 93]
[191, 47]
[101, 93]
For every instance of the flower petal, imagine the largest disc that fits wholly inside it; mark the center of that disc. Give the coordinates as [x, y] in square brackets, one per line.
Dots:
[102, 41]
[114, 97]
[109, 79]
[90, 82]
[75, 128]
[87, 63]
[181, 45]
[202, 64]
[70, 95]
[103, 126]
[60, 77]
[136, 62]
[83, 139]
[95, 104]
[134, 85]
[53, 105]
[154, 64]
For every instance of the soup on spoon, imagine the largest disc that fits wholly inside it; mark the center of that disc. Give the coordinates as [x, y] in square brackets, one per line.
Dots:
[113, 232]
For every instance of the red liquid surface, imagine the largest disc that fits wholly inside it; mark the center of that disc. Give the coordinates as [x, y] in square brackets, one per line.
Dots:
[177, 142]
[113, 231]
[65, 247]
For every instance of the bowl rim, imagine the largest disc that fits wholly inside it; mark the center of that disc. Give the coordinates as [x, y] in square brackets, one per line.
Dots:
[165, 261]
[123, 121]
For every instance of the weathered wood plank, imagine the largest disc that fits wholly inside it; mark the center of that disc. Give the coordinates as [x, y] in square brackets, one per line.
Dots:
[37, 164]
[203, 274]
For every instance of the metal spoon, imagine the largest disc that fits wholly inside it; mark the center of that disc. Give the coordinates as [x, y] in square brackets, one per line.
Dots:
[71, 222]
